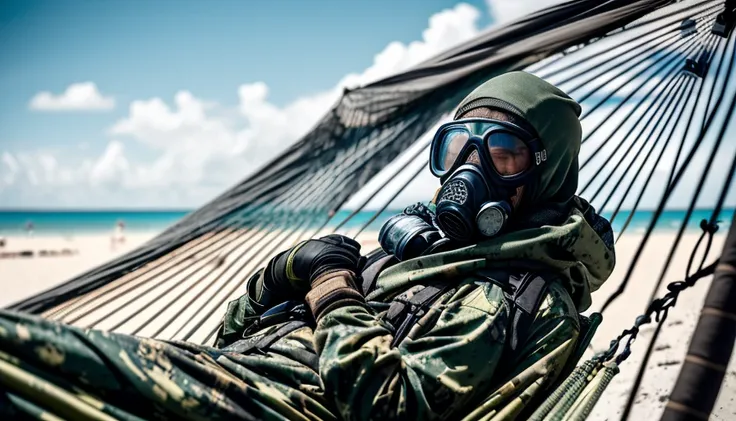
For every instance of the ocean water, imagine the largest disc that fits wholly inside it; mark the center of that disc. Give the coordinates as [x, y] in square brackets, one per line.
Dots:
[86, 222]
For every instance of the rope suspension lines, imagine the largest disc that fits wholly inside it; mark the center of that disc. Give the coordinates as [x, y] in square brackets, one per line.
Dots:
[654, 78]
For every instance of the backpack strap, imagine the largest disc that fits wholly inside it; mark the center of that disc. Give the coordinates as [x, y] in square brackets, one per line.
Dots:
[376, 261]
[524, 293]
[528, 293]
[402, 314]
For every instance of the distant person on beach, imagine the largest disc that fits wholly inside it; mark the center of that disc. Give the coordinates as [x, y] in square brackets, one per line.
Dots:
[118, 235]
[469, 309]
[29, 229]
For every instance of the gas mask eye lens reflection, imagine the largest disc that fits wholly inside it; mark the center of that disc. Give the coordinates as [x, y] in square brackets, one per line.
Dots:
[509, 154]
[455, 139]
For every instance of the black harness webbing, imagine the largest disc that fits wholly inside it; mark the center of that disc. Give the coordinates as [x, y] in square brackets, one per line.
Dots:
[376, 261]
[524, 294]
[260, 344]
[402, 314]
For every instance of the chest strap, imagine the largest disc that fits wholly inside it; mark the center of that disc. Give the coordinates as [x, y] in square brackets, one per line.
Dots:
[403, 314]
[523, 292]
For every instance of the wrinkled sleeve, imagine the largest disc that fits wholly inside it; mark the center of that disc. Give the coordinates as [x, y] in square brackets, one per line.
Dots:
[242, 312]
[431, 376]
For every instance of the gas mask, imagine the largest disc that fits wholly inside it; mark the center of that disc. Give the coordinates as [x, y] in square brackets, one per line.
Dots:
[481, 163]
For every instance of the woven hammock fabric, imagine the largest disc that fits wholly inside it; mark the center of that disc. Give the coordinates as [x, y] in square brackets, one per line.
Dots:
[622, 59]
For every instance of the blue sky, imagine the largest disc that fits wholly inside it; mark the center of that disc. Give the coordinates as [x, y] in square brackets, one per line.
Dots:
[144, 104]
[126, 52]
[139, 49]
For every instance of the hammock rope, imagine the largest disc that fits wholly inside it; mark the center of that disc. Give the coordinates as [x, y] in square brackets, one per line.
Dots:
[642, 71]
[678, 176]
[577, 395]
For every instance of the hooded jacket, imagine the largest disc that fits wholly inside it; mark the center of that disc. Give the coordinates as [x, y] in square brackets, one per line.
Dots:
[452, 363]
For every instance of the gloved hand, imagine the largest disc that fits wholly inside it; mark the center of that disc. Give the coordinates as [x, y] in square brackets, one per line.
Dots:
[290, 273]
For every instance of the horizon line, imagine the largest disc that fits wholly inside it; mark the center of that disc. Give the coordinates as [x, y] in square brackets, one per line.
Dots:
[141, 210]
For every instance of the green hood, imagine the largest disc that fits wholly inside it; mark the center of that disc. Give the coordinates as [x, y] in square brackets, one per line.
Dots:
[553, 115]
[559, 231]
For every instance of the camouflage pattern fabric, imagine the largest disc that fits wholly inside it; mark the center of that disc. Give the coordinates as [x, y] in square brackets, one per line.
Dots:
[450, 362]
[53, 371]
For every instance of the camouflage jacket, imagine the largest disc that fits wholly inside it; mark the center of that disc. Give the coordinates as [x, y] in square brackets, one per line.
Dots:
[448, 364]
[451, 361]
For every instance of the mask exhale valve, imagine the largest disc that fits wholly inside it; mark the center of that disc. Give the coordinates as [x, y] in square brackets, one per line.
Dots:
[492, 217]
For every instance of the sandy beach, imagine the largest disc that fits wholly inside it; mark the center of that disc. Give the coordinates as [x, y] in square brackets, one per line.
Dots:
[22, 277]
[194, 271]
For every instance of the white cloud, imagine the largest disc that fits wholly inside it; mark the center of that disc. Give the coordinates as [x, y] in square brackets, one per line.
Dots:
[199, 148]
[10, 169]
[77, 97]
[111, 165]
[507, 10]
[194, 149]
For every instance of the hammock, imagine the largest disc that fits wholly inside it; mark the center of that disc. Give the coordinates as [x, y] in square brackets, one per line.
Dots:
[653, 77]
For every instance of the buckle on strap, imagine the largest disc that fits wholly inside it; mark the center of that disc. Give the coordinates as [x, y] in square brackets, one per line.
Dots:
[402, 313]
[284, 312]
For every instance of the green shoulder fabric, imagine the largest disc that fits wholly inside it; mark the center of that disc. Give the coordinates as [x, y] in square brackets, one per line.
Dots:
[582, 255]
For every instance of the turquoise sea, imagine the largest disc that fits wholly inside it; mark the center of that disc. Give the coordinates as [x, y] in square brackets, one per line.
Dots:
[85, 222]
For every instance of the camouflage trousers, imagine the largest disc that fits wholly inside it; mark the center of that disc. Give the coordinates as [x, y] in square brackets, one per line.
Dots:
[51, 371]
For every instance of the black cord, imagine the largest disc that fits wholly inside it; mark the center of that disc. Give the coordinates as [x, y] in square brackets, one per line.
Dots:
[651, 121]
[668, 192]
[674, 101]
[657, 160]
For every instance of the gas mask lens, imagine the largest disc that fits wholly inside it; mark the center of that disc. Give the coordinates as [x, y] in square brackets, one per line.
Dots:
[505, 151]
[453, 143]
[509, 154]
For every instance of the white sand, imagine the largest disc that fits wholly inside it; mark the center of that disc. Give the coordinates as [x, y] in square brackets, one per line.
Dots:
[195, 269]
[23, 277]
[671, 346]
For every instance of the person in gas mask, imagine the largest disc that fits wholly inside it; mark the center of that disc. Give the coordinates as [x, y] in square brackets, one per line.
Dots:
[468, 311]
[470, 308]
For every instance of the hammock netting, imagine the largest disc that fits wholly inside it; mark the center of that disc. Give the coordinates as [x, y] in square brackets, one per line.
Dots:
[654, 80]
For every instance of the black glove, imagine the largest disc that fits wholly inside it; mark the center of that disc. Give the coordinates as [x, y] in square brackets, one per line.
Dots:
[290, 273]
